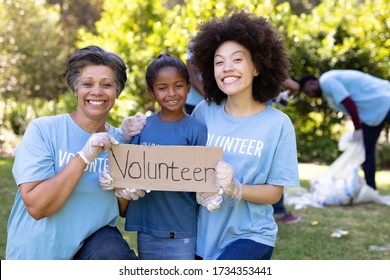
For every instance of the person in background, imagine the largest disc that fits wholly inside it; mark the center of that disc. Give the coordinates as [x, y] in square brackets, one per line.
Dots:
[165, 221]
[365, 98]
[243, 62]
[196, 93]
[60, 211]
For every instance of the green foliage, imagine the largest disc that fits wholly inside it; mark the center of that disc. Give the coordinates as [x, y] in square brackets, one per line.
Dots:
[32, 55]
[336, 34]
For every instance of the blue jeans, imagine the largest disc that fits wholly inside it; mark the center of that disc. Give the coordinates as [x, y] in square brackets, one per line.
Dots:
[246, 249]
[156, 248]
[371, 135]
[106, 243]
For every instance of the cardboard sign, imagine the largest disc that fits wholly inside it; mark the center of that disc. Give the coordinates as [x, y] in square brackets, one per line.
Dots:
[167, 168]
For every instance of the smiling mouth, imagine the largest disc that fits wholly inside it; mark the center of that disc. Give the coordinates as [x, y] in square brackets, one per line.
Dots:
[172, 101]
[96, 102]
[229, 79]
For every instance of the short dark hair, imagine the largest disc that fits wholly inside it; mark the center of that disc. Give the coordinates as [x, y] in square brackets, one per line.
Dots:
[265, 44]
[305, 78]
[94, 55]
[162, 61]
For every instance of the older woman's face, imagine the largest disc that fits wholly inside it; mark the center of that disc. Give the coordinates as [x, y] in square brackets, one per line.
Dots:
[96, 91]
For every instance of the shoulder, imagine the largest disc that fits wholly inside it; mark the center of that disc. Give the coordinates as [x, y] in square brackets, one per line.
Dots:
[332, 74]
[205, 106]
[278, 116]
[47, 122]
[194, 122]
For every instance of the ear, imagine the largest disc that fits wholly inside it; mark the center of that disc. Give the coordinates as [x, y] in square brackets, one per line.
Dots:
[188, 87]
[256, 73]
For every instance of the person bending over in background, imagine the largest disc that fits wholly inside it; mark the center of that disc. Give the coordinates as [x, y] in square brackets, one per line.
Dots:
[365, 98]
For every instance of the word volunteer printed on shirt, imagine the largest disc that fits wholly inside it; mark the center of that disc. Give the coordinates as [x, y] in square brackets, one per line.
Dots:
[100, 164]
[236, 145]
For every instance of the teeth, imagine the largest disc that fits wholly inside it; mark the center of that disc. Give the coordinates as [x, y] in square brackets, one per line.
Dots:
[229, 79]
[96, 102]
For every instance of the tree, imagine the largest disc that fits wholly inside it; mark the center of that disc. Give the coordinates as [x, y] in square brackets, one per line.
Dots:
[32, 53]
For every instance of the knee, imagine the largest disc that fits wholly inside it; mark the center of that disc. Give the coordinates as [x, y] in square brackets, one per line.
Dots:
[114, 252]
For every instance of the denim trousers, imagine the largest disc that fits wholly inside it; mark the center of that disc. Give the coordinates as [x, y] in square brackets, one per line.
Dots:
[246, 249]
[106, 243]
[156, 248]
[370, 136]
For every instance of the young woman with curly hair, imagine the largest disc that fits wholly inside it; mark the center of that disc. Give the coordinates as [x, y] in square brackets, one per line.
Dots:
[243, 62]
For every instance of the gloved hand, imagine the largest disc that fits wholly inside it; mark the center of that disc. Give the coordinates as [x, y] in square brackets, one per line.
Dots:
[225, 179]
[131, 126]
[210, 200]
[357, 136]
[129, 193]
[95, 145]
[282, 98]
[106, 181]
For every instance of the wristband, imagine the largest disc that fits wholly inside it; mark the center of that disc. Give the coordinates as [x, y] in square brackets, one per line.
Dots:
[84, 158]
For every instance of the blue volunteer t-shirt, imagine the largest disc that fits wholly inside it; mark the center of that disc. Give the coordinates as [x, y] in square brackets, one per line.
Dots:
[262, 150]
[370, 94]
[48, 144]
[167, 214]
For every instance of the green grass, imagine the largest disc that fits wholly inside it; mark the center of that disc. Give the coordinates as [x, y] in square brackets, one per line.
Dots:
[367, 224]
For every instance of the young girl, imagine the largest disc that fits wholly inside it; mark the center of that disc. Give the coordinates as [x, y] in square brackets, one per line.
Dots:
[243, 63]
[165, 220]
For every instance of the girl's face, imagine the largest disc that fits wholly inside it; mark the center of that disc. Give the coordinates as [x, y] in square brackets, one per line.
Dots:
[233, 69]
[96, 91]
[170, 90]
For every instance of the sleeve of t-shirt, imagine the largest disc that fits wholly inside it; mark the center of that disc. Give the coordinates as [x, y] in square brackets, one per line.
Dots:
[199, 112]
[201, 135]
[34, 160]
[284, 169]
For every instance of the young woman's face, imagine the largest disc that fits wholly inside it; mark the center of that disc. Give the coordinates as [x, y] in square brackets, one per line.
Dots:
[233, 68]
[96, 91]
[170, 90]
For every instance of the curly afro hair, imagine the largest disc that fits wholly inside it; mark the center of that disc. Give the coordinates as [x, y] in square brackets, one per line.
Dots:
[265, 44]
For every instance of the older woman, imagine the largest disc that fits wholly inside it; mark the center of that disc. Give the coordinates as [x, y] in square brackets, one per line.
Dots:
[60, 211]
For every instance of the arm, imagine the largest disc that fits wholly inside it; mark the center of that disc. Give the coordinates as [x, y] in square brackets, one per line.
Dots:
[44, 198]
[123, 204]
[351, 108]
[292, 86]
[262, 194]
[194, 77]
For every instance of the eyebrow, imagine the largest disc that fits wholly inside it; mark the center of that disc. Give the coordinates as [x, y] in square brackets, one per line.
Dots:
[235, 52]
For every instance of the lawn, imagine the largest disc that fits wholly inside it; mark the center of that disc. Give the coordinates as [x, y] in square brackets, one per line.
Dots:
[367, 224]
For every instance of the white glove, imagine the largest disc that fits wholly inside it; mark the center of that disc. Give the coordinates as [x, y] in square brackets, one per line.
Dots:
[357, 136]
[129, 193]
[131, 126]
[106, 181]
[282, 98]
[95, 145]
[225, 179]
[210, 200]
